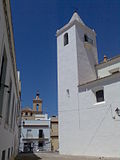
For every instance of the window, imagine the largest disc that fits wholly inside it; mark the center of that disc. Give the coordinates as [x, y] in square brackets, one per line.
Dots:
[11, 151]
[17, 110]
[3, 155]
[26, 113]
[66, 39]
[14, 120]
[40, 144]
[87, 39]
[100, 96]
[37, 107]
[23, 123]
[40, 133]
[8, 103]
[8, 153]
[12, 110]
[29, 133]
[3, 71]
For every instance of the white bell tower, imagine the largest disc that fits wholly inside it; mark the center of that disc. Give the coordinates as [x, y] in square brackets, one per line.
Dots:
[76, 58]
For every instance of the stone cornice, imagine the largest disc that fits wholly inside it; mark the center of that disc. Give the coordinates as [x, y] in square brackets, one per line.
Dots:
[99, 81]
[69, 25]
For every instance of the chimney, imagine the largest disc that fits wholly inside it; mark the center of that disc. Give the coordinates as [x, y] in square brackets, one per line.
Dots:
[105, 58]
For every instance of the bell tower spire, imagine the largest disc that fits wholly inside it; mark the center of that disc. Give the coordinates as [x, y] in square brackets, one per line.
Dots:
[37, 102]
[76, 17]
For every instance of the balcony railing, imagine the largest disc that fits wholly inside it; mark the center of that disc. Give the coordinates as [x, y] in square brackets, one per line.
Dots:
[36, 123]
[35, 139]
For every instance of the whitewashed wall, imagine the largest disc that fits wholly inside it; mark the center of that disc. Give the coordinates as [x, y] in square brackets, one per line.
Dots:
[98, 132]
[86, 54]
[8, 137]
[106, 71]
[85, 126]
[67, 80]
[73, 67]
[35, 132]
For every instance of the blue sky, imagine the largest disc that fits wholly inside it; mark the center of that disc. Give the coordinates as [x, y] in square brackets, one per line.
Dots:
[35, 23]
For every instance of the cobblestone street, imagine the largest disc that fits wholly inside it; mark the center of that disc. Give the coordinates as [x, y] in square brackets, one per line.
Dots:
[56, 156]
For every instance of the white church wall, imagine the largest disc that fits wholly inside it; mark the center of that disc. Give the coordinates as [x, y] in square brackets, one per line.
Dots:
[98, 121]
[85, 126]
[68, 81]
[98, 131]
[87, 54]
[106, 71]
[67, 84]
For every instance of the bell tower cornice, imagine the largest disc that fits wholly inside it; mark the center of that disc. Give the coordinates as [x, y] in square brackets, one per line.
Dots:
[75, 20]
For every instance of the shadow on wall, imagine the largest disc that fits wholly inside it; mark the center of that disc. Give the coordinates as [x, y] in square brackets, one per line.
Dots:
[27, 156]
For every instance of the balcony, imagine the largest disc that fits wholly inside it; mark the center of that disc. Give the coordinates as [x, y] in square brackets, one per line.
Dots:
[35, 139]
[36, 123]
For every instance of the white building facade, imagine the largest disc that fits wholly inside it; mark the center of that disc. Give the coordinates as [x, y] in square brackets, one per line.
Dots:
[35, 128]
[35, 134]
[88, 94]
[10, 89]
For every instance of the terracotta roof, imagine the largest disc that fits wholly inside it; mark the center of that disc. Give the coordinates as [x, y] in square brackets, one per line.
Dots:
[27, 109]
[108, 60]
[98, 79]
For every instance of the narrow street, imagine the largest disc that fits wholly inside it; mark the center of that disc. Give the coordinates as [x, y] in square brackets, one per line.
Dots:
[59, 80]
[56, 156]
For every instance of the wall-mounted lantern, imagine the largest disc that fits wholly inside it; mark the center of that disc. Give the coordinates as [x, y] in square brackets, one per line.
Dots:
[68, 92]
[117, 110]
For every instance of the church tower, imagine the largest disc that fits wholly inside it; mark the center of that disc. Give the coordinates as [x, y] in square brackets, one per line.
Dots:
[76, 60]
[37, 104]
